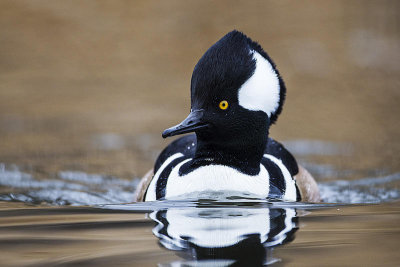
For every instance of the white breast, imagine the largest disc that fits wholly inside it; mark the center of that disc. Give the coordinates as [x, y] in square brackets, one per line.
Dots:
[216, 178]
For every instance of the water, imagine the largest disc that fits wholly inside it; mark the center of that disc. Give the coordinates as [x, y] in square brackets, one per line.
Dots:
[75, 218]
[200, 233]
[66, 188]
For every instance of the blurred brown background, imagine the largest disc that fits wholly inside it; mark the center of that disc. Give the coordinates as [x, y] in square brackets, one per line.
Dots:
[90, 85]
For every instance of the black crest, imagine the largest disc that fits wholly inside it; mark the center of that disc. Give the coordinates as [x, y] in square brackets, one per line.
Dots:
[225, 67]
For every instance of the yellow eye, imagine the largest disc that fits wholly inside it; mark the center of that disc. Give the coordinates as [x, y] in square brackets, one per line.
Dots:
[223, 104]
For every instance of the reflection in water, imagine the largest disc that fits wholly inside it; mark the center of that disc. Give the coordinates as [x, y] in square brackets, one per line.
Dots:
[224, 236]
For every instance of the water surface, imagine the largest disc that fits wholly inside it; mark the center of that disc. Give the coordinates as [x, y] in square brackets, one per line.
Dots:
[197, 234]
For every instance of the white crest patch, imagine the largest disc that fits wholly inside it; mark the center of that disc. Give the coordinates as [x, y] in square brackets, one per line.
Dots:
[261, 90]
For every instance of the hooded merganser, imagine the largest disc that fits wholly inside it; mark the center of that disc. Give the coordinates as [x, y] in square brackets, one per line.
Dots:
[236, 94]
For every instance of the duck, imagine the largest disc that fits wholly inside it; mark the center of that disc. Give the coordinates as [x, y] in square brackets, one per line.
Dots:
[237, 93]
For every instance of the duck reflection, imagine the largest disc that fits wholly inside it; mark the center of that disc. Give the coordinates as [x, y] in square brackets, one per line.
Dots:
[224, 236]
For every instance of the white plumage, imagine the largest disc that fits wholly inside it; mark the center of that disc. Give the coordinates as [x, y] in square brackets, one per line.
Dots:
[261, 91]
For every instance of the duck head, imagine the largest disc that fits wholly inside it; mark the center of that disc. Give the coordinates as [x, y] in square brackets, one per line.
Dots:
[236, 94]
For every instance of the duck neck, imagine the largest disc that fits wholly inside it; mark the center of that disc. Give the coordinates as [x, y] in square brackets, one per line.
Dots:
[243, 153]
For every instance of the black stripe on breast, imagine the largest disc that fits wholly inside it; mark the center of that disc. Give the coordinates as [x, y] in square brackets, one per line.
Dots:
[279, 151]
[298, 195]
[185, 145]
[277, 185]
[163, 178]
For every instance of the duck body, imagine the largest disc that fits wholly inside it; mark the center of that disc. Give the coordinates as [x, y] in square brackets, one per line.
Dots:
[178, 172]
[236, 95]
